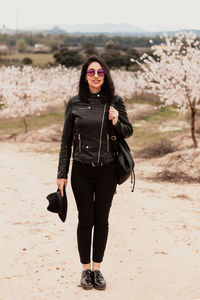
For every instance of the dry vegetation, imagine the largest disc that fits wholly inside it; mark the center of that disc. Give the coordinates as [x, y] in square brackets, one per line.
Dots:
[162, 138]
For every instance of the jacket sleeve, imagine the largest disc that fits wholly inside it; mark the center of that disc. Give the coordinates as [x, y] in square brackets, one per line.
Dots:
[123, 126]
[66, 143]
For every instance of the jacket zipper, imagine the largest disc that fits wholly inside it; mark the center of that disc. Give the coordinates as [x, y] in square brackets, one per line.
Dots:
[101, 133]
[79, 136]
[107, 142]
[79, 142]
[87, 107]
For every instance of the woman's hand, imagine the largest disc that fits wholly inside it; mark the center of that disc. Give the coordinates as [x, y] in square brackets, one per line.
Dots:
[113, 115]
[60, 183]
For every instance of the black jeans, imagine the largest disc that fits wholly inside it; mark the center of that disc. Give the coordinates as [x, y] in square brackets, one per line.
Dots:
[93, 189]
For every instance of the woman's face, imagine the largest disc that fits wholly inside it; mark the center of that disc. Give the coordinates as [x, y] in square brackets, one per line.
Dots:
[95, 77]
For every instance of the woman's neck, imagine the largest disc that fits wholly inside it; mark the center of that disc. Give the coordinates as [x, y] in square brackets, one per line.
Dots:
[95, 90]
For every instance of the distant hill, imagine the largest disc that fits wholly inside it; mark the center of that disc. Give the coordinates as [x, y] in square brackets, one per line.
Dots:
[100, 28]
[109, 29]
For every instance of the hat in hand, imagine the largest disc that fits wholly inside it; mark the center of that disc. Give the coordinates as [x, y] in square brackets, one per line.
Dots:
[58, 204]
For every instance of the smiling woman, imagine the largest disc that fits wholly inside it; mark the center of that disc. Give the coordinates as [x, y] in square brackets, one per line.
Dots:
[94, 171]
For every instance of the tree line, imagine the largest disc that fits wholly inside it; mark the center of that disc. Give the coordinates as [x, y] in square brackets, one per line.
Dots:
[114, 55]
[55, 41]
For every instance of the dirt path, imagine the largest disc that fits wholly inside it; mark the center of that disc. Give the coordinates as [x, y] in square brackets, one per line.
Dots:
[153, 250]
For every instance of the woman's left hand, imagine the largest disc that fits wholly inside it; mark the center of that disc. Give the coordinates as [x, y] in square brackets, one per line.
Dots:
[113, 115]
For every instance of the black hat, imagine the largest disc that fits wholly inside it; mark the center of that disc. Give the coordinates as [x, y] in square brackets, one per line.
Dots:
[58, 204]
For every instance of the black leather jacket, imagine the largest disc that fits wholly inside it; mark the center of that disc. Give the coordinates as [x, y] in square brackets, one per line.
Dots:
[86, 128]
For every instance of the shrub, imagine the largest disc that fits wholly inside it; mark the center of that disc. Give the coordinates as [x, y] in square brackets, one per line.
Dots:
[183, 166]
[27, 61]
[68, 58]
[156, 149]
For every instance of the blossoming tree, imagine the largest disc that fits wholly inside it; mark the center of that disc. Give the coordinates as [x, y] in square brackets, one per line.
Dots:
[128, 84]
[27, 91]
[175, 74]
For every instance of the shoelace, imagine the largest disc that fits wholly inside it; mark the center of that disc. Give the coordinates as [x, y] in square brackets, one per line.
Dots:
[87, 273]
[98, 274]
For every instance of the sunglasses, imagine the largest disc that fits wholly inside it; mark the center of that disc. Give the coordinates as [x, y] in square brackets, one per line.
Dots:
[91, 72]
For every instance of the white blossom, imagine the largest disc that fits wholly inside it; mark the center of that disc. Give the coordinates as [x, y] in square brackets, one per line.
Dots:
[176, 76]
[25, 91]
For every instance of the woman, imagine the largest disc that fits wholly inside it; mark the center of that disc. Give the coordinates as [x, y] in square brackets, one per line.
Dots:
[93, 176]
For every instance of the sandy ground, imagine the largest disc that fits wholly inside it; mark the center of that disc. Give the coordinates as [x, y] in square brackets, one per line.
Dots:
[153, 249]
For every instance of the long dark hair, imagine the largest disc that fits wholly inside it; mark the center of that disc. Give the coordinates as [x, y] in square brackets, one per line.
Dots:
[107, 89]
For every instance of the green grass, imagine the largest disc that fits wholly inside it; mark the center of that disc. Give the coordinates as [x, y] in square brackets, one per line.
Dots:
[39, 59]
[148, 132]
[161, 114]
[10, 127]
[129, 102]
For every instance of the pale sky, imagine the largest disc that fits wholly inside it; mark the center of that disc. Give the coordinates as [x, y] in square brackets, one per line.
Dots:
[147, 14]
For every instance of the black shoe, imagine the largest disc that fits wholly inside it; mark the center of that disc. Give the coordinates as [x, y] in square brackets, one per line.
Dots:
[99, 282]
[86, 279]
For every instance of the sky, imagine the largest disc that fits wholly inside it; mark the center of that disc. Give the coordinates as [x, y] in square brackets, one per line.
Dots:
[146, 14]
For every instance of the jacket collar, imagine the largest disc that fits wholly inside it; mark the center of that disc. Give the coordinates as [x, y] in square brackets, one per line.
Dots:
[95, 96]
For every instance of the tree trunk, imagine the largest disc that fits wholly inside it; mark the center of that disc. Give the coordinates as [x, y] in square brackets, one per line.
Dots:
[25, 125]
[193, 115]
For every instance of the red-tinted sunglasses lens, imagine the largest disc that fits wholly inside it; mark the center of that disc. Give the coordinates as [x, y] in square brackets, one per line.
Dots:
[90, 72]
[101, 72]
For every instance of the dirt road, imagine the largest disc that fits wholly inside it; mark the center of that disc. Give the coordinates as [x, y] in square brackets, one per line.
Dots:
[153, 249]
